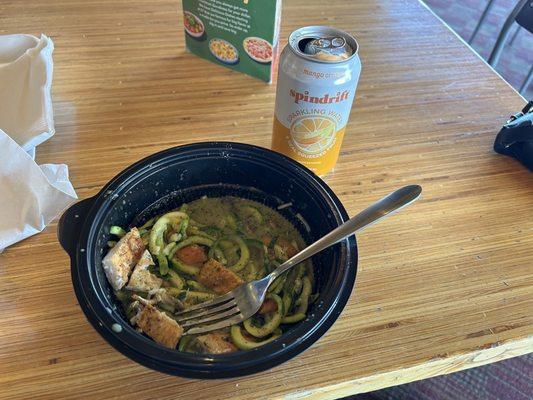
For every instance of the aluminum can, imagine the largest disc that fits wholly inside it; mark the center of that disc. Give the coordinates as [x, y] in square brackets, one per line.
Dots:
[317, 78]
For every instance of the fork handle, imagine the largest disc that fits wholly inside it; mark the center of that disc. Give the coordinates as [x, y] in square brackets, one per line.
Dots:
[380, 209]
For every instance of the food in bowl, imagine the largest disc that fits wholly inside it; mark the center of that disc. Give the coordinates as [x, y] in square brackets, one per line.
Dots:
[258, 49]
[164, 181]
[201, 250]
[223, 51]
[193, 25]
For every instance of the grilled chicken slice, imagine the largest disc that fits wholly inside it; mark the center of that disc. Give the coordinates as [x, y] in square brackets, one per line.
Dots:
[120, 260]
[216, 342]
[159, 326]
[141, 279]
[218, 278]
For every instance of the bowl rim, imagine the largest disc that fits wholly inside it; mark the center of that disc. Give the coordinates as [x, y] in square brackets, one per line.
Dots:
[144, 350]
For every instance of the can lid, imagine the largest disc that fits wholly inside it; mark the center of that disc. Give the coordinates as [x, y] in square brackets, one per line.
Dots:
[323, 44]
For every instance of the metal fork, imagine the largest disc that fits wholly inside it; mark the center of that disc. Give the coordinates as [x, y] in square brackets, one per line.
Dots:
[245, 300]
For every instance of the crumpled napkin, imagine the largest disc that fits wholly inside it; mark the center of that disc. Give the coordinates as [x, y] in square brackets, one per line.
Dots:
[31, 196]
[26, 68]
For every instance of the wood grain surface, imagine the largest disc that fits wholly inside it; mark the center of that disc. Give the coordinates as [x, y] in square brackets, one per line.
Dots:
[445, 285]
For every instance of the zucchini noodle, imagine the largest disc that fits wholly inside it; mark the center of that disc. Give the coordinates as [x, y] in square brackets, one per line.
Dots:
[248, 240]
[244, 251]
[168, 221]
[271, 321]
[248, 344]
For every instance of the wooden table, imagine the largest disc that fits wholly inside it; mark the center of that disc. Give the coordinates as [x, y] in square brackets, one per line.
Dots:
[445, 285]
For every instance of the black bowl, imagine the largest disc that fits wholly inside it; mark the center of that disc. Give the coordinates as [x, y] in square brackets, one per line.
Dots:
[181, 174]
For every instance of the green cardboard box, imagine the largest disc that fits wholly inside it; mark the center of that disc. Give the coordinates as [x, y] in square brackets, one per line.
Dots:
[238, 34]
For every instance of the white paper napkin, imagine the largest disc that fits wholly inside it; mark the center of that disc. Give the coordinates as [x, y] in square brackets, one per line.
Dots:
[25, 80]
[31, 196]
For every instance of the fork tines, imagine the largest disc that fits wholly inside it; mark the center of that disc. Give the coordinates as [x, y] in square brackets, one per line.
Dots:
[220, 312]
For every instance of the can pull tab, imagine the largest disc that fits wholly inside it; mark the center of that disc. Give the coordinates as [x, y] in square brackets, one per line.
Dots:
[338, 42]
[325, 43]
[328, 48]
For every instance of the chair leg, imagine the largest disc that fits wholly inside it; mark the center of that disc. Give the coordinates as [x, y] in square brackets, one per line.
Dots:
[480, 22]
[515, 34]
[502, 37]
[527, 81]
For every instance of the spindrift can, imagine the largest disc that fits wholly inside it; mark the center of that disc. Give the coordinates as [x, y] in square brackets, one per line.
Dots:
[317, 77]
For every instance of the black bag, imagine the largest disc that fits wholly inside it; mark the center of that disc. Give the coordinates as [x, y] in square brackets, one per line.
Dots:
[515, 139]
